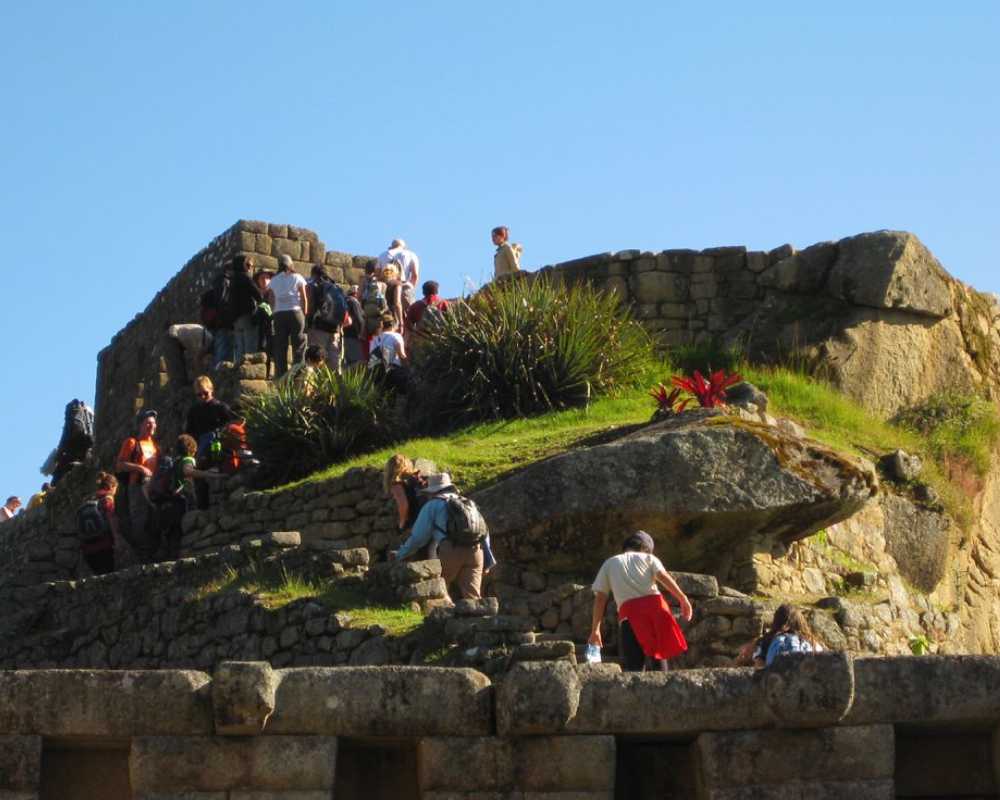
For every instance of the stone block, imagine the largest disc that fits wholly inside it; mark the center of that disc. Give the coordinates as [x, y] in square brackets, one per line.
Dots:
[813, 790]
[545, 651]
[214, 763]
[318, 794]
[383, 701]
[966, 689]
[729, 606]
[808, 689]
[118, 703]
[682, 701]
[463, 764]
[695, 585]
[757, 261]
[565, 764]
[537, 698]
[20, 763]
[659, 287]
[243, 694]
[734, 759]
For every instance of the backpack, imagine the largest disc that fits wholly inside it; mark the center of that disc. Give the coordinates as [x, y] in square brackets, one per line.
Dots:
[91, 524]
[162, 485]
[331, 308]
[78, 430]
[373, 298]
[466, 525]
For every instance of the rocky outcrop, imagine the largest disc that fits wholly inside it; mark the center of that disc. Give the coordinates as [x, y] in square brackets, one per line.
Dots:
[699, 484]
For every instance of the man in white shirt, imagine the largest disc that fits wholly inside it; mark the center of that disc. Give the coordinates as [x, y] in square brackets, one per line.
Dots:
[406, 259]
[9, 509]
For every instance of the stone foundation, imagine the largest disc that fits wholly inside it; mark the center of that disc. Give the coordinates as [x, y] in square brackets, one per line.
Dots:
[817, 727]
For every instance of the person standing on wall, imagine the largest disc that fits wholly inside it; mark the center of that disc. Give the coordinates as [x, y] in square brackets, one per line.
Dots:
[289, 300]
[218, 314]
[136, 464]
[647, 629]
[507, 259]
[327, 305]
[204, 418]
[404, 258]
[355, 335]
[246, 297]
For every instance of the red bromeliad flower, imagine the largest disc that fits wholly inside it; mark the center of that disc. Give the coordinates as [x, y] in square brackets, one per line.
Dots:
[666, 402]
[710, 393]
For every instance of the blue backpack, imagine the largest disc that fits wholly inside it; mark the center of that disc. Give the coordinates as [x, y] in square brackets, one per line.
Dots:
[331, 308]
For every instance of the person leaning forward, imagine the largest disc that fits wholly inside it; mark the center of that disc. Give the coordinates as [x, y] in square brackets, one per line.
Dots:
[460, 564]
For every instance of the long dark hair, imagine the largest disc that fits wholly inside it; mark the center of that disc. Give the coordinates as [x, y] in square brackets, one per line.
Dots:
[787, 619]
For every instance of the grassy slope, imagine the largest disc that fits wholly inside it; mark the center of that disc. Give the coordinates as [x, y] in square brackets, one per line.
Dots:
[480, 454]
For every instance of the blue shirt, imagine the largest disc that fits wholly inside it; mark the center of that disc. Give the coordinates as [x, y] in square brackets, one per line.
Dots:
[786, 643]
[431, 524]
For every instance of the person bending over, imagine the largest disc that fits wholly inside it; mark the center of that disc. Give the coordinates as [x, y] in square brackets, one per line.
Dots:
[647, 629]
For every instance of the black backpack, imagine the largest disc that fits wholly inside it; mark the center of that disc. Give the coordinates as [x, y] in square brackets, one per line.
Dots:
[221, 301]
[91, 524]
[331, 307]
[163, 483]
[466, 525]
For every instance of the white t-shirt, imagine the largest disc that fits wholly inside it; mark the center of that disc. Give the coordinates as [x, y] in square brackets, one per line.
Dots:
[392, 343]
[407, 260]
[285, 286]
[628, 575]
[5, 514]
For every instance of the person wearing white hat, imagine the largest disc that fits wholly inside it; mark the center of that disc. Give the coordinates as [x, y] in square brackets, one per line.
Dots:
[461, 564]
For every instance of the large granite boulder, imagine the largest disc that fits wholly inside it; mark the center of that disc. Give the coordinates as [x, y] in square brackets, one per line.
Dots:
[893, 270]
[699, 484]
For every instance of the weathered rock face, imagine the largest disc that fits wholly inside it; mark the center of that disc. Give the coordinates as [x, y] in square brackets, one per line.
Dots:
[877, 313]
[698, 484]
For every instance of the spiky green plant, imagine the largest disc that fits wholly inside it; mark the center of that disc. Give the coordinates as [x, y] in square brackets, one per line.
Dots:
[296, 429]
[526, 346]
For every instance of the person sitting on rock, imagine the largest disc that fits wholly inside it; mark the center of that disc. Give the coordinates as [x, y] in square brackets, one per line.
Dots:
[461, 563]
[647, 629]
[789, 633]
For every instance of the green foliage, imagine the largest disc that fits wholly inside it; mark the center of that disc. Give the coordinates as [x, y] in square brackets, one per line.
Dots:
[956, 424]
[296, 429]
[524, 347]
[920, 645]
[707, 357]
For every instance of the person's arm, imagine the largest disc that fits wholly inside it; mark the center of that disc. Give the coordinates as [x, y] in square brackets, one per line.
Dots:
[398, 493]
[416, 271]
[401, 350]
[596, 617]
[304, 298]
[190, 471]
[128, 466]
[423, 530]
[666, 580]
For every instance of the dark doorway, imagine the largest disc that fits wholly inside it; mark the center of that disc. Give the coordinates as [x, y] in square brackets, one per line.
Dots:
[376, 770]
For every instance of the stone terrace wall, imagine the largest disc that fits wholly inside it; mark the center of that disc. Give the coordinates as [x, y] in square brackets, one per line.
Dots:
[176, 614]
[812, 726]
[41, 545]
[342, 512]
[143, 368]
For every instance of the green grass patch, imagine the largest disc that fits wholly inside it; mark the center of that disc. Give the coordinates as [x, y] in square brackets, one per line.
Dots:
[336, 595]
[479, 454]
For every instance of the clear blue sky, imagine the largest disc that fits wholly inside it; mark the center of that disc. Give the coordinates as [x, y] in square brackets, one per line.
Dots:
[133, 133]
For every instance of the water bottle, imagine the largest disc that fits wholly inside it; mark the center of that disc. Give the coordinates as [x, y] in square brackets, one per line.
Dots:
[592, 654]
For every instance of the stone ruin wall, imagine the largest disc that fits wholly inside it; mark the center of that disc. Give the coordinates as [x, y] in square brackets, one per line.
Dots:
[143, 368]
[824, 726]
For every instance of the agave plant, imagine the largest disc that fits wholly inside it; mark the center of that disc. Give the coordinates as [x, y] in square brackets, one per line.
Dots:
[296, 429]
[526, 346]
[709, 393]
[667, 401]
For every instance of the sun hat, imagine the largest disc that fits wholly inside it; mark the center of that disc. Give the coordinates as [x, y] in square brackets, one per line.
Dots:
[437, 483]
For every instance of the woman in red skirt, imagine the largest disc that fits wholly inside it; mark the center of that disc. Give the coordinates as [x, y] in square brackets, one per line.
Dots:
[648, 629]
